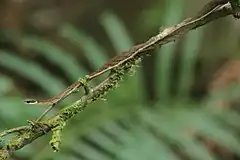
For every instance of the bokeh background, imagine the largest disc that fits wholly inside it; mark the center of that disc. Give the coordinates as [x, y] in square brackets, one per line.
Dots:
[181, 104]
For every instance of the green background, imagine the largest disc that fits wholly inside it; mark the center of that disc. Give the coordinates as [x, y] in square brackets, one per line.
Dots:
[164, 111]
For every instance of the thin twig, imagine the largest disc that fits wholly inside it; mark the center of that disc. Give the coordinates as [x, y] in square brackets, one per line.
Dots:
[14, 130]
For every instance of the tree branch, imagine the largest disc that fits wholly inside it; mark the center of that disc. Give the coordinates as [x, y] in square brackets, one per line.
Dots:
[27, 134]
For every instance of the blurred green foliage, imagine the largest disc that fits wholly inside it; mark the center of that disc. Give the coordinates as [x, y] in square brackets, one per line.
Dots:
[123, 126]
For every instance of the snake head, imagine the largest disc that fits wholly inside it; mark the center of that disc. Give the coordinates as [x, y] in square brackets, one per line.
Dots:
[30, 101]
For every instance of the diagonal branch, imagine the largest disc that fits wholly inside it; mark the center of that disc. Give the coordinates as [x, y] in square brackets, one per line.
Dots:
[27, 134]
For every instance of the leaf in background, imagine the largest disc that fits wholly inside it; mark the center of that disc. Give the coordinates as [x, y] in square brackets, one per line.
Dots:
[150, 18]
[141, 145]
[46, 153]
[55, 55]
[174, 14]
[116, 31]
[227, 93]
[188, 57]
[195, 150]
[6, 84]
[103, 140]
[221, 135]
[101, 114]
[231, 118]
[175, 123]
[32, 71]
[89, 152]
[14, 112]
[27, 151]
[92, 50]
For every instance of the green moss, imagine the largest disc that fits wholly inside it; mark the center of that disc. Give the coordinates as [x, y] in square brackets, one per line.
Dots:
[56, 136]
